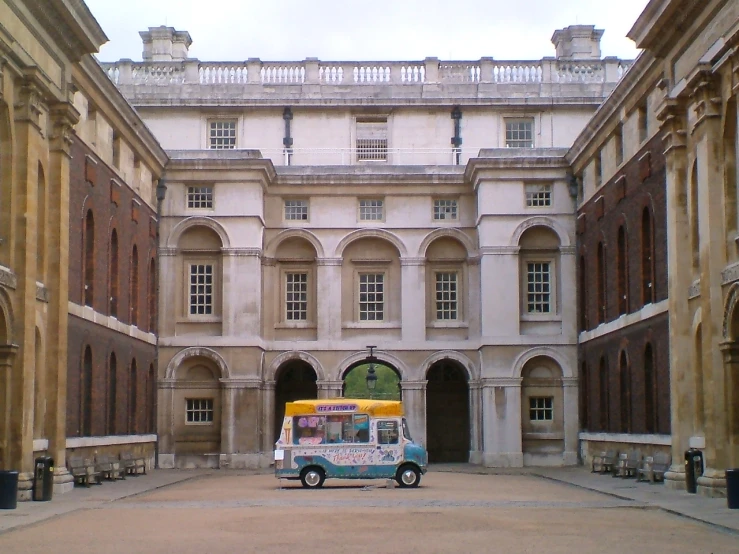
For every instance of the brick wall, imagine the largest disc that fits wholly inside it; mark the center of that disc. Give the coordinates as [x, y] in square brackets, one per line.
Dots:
[620, 202]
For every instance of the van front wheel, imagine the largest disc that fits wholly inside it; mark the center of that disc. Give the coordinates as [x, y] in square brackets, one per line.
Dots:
[408, 476]
[312, 477]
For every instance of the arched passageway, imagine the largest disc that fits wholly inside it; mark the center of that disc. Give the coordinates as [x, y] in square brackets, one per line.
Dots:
[387, 385]
[296, 380]
[447, 413]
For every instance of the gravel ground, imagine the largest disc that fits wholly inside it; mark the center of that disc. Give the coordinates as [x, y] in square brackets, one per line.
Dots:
[449, 513]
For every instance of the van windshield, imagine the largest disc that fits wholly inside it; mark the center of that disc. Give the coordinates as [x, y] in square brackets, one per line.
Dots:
[406, 431]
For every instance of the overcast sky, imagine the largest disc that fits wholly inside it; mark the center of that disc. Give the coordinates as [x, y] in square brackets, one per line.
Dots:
[373, 30]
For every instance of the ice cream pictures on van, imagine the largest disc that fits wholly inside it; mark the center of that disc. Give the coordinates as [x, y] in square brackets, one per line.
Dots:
[347, 439]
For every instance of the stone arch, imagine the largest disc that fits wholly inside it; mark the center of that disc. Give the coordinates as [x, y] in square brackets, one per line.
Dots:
[271, 247]
[371, 233]
[450, 233]
[546, 352]
[282, 359]
[6, 318]
[174, 236]
[731, 323]
[197, 351]
[381, 356]
[540, 221]
[468, 365]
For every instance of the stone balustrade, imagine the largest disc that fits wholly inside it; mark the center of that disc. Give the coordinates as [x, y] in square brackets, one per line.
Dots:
[314, 71]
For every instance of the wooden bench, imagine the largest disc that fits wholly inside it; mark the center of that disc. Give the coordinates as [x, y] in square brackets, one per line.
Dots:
[628, 464]
[83, 471]
[109, 467]
[605, 461]
[653, 468]
[132, 464]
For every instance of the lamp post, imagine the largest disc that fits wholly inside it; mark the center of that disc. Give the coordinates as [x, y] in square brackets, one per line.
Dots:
[371, 375]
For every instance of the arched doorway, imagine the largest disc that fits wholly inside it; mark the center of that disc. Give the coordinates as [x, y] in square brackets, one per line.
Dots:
[542, 412]
[447, 413]
[296, 380]
[387, 386]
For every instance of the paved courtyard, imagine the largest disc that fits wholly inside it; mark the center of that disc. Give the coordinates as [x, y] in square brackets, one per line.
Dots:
[214, 512]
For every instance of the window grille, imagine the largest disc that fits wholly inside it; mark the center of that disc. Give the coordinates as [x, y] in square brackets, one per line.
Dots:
[372, 141]
[541, 408]
[296, 210]
[199, 197]
[371, 297]
[199, 410]
[539, 287]
[371, 210]
[222, 135]
[519, 133]
[201, 289]
[538, 196]
[445, 209]
[296, 296]
[446, 296]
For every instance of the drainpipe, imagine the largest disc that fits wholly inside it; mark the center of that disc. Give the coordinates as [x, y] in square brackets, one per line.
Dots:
[287, 115]
[161, 192]
[457, 138]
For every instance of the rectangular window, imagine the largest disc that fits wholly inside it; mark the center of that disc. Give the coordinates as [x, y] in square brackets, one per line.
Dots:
[446, 296]
[296, 296]
[199, 410]
[371, 296]
[222, 135]
[538, 287]
[371, 210]
[296, 210]
[519, 133]
[541, 408]
[199, 197]
[538, 196]
[372, 140]
[445, 210]
[201, 289]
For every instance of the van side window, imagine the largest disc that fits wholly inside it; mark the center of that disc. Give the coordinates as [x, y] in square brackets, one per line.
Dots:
[387, 432]
[361, 428]
[309, 429]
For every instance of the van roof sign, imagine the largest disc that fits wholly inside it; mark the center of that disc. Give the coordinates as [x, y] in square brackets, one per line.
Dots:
[376, 408]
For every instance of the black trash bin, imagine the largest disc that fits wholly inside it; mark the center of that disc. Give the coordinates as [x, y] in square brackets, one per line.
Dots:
[8, 490]
[43, 478]
[732, 488]
[693, 469]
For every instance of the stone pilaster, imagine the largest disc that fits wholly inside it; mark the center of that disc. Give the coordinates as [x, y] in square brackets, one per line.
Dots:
[476, 422]
[413, 289]
[414, 404]
[268, 415]
[165, 422]
[330, 389]
[571, 420]
[501, 408]
[500, 305]
[328, 307]
[242, 305]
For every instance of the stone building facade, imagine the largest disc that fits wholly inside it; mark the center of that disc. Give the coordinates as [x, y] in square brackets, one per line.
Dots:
[314, 208]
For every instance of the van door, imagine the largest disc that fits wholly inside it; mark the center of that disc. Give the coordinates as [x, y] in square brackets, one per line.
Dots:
[389, 451]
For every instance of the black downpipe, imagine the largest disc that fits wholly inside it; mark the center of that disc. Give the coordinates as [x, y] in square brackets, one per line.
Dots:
[457, 138]
[287, 115]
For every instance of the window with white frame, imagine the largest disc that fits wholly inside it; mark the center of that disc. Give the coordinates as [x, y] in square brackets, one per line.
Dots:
[446, 296]
[296, 210]
[371, 140]
[519, 133]
[445, 209]
[201, 289]
[538, 196]
[371, 296]
[541, 408]
[371, 209]
[222, 134]
[296, 296]
[199, 410]
[538, 287]
[200, 197]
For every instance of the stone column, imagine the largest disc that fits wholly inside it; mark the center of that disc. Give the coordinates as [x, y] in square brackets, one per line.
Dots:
[268, 416]
[328, 298]
[476, 422]
[708, 139]
[63, 117]
[414, 404]
[165, 423]
[413, 298]
[672, 115]
[474, 302]
[330, 389]
[501, 305]
[571, 420]
[568, 288]
[228, 391]
[501, 408]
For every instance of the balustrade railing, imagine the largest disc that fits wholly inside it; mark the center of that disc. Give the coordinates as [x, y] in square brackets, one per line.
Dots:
[313, 71]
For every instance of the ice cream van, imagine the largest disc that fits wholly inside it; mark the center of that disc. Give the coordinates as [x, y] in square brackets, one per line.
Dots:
[343, 438]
